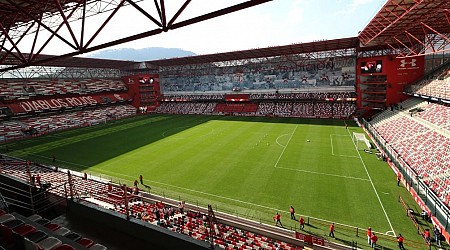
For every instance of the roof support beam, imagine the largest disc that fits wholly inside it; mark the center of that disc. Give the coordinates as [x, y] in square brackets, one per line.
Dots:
[13, 3]
[62, 13]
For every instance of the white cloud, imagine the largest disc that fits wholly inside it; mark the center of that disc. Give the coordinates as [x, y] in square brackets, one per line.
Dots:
[352, 7]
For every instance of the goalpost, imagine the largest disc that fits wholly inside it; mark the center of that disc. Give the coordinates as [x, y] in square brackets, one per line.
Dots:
[360, 137]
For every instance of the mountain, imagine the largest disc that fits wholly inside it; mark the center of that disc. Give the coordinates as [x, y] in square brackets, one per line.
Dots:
[140, 55]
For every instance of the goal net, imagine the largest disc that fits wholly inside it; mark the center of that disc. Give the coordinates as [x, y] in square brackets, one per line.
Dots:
[360, 141]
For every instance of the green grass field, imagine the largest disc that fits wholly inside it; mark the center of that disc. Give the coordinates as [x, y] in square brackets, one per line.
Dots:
[247, 166]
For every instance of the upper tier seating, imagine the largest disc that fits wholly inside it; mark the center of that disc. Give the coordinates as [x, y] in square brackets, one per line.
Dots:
[22, 89]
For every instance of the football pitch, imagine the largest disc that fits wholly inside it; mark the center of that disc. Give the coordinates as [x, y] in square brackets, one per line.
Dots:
[251, 167]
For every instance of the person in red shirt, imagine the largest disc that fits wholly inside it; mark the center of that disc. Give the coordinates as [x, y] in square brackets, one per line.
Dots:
[38, 179]
[373, 240]
[302, 223]
[400, 240]
[277, 218]
[369, 236]
[292, 211]
[427, 236]
[331, 234]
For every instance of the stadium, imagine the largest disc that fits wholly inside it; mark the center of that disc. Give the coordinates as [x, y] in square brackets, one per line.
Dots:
[331, 144]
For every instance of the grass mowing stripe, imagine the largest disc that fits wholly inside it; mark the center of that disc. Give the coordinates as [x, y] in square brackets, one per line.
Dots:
[204, 158]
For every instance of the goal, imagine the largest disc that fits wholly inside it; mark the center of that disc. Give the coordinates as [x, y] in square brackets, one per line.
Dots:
[359, 138]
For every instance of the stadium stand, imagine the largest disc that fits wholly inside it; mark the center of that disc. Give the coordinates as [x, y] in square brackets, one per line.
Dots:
[306, 105]
[35, 232]
[419, 135]
[192, 222]
[25, 127]
[436, 84]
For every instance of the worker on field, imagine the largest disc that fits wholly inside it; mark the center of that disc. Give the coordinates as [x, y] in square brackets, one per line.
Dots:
[277, 219]
[302, 223]
[331, 234]
[292, 212]
[369, 236]
[400, 240]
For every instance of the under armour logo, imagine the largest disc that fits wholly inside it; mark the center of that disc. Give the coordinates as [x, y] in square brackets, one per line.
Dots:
[404, 63]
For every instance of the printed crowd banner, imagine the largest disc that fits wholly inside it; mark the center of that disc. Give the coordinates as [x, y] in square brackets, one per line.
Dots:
[39, 105]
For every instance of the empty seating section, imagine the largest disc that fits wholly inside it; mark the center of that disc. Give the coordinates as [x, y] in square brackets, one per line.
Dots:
[404, 128]
[436, 88]
[10, 130]
[20, 232]
[421, 140]
[16, 89]
[436, 114]
[111, 196]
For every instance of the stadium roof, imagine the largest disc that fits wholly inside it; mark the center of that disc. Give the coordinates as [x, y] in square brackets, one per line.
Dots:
[9, 15]
[407, 23]
[300, 48]
[27, 18]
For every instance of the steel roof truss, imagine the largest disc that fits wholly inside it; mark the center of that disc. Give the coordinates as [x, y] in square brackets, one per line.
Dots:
[145, 13]
[13, 3]
[104, 24]
[69, 28]
[51, 36]
[180, 10]
[13, 44]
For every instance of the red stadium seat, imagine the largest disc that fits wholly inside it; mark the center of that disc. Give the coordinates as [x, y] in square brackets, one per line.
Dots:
[86, 242]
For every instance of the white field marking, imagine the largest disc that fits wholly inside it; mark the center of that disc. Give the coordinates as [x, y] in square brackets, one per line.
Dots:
[283, 146]
[188, 189]
[384, 193]
[282, 152]
[390, 232]
[194, 191]
[374, 189]
[332, 148]
[319, 173]
[204, 193]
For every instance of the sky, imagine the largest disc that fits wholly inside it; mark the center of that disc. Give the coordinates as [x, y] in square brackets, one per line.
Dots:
[279, 22]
